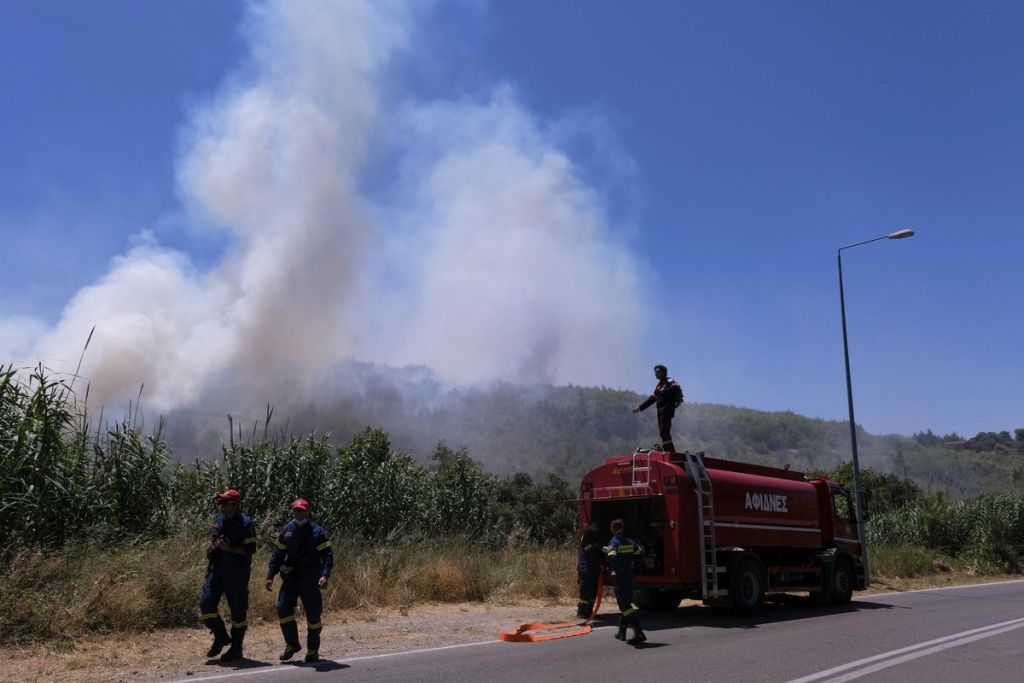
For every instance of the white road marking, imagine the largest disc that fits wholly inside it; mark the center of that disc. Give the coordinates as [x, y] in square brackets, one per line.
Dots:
[282, 669]
[910, 652]
[940, 588]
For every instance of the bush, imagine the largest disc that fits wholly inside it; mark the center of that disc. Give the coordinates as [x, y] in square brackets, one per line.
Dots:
[902, 561]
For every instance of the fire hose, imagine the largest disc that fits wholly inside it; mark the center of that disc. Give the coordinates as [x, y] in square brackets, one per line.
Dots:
[534, 633]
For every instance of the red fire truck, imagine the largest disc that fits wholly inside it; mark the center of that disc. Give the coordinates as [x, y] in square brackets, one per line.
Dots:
[725, 532]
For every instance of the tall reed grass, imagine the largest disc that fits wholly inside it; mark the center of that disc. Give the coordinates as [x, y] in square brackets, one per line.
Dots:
[985, 533]
[65, 481]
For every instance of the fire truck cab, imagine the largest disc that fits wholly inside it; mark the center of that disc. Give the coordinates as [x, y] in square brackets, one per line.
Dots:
[725, 532]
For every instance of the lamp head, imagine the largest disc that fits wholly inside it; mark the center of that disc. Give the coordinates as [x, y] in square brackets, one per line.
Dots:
[900, 234]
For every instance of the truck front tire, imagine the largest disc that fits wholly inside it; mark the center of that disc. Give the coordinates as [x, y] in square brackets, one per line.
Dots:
[747, 586]
[842, 582]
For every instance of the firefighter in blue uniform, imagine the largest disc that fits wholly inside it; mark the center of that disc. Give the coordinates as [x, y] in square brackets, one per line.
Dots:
[623, 553]
[232, 544]
[303, 556]
[669, 396]
[589, 564]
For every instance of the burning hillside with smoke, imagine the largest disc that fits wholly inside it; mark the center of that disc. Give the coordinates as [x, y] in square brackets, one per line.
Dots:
[489, 258]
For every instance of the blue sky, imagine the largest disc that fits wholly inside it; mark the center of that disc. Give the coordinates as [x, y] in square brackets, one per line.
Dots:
[723, 151]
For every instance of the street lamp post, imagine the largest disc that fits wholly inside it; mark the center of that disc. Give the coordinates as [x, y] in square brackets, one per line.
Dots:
[857, 493]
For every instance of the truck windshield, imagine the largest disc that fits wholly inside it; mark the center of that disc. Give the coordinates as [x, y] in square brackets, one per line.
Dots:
[842, 504]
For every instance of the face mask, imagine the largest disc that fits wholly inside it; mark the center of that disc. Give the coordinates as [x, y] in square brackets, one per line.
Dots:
[302, 522]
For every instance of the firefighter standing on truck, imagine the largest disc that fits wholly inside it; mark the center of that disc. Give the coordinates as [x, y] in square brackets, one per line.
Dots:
[589, 564]
[232, 543]
[623, 553]
[669, 396]
[303, 556]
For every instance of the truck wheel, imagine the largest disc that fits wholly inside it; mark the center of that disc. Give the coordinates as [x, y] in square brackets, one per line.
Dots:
[842, 582]
[659, 599]
[746, 587]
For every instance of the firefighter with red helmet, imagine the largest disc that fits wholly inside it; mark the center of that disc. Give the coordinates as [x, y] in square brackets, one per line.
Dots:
[232, 544]
[589, 564]
[669, 396]
[623, 554]
[304, 558]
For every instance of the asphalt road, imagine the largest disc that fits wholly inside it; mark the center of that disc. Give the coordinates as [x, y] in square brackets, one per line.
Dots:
[968, 633]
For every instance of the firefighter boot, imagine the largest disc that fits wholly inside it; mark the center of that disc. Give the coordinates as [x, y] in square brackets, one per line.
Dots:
[621, 634]
[313, 642]
[638, 634]
[235, 651]
[289, 651]
[291, 637]
[220, 639]
[583, 610]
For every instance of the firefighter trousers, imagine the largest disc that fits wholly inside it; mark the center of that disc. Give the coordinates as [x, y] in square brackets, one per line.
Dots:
[624, 597]
[235, 587]
[665, 429]
[588, 586]
[312, 603]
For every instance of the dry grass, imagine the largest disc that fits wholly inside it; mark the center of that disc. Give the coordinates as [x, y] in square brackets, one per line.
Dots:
[90, 590]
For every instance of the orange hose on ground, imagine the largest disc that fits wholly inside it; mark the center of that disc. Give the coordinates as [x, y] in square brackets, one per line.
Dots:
[523, 633]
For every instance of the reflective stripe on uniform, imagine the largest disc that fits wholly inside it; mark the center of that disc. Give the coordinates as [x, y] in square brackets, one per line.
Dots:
[313, 627]
[629, 611]
[281, 546]
[239, 624]
[286, 620]
[612, 553]
[251, 539]
[209, 615]
[325, 544]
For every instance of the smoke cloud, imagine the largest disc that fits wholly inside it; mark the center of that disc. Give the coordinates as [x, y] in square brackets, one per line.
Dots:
[490, 258]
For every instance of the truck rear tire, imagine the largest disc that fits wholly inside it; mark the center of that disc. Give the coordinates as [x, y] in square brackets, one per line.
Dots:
[659, 599]
[842, 582]
[747, 586]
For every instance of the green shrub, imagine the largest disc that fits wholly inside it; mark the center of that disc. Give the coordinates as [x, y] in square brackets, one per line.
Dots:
[902, 561]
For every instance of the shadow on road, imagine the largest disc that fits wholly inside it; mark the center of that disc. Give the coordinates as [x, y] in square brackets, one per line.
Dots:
[243, 663]
[787, 608]
[321, 665]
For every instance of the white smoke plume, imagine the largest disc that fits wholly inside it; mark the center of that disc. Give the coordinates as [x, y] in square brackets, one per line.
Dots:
[494, 262]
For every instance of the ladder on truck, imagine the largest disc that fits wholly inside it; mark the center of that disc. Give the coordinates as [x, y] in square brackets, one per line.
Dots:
[705, 524]
[641, 468]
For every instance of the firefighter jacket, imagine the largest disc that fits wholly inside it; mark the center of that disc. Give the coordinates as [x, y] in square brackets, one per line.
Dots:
[623, 556]
[667, 394]
[590, 557]
[240, 532]
[301, 551]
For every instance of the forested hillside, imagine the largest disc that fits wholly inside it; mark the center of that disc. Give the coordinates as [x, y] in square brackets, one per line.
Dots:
[566, 430]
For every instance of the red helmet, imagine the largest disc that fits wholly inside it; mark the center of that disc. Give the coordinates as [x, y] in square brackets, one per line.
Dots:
[231, 496]
[301, 504]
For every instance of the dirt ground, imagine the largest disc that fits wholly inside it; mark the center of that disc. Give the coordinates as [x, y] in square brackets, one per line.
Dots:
[175, 653]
